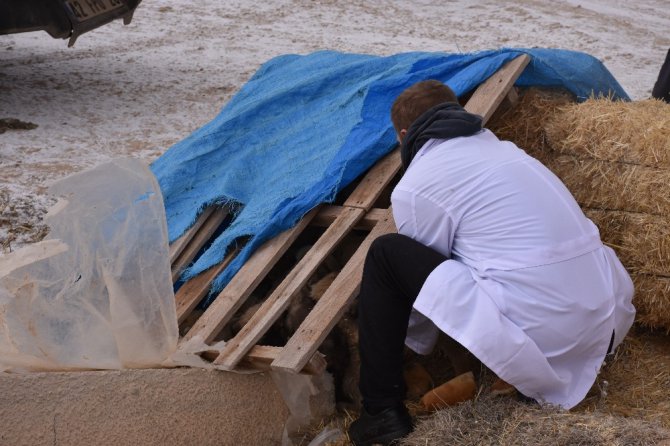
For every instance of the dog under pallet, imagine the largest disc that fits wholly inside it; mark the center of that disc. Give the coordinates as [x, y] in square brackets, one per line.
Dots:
[364, 211]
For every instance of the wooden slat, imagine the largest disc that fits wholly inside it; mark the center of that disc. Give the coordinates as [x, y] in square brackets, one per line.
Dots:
[278, 301]
[192, 292]
[330, 307]
[178, 245]
[329, 213]
[198, 241]
[374, 182]
[247, 278]
[491, 93]
[261, 356]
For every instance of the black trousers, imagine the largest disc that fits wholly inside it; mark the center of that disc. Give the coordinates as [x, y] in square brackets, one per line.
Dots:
[662, 86]
[396, 268]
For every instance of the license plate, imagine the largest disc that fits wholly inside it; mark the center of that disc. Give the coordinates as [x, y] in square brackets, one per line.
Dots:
[88, 9]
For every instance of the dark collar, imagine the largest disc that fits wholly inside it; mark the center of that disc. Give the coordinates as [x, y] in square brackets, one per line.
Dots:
[444, 121]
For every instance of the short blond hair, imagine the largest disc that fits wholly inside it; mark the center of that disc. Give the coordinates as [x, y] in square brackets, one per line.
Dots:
[416, 100]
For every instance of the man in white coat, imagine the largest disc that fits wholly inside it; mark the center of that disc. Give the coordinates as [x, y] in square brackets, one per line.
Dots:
[492, 250]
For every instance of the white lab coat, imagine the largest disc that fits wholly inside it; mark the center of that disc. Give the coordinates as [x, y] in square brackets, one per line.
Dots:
[529, 288]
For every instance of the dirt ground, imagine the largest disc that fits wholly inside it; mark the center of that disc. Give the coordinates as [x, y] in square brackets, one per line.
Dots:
[136, 90]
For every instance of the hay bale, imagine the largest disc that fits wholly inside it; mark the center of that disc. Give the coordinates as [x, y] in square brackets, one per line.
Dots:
[504, 421]
[637, 379]
[524, 124]
[629, 132]
[607, 185]
[642, 241]
[614, 158]
[652, 301]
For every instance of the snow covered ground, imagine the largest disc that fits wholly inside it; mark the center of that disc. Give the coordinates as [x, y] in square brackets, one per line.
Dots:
[138, 89]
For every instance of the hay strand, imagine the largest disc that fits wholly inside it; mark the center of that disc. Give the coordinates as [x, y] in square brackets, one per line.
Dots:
[642, 241]
[628, 132]
[617, 186]
[525, 123]
[638, 378]
[504, 421]
[652, 301]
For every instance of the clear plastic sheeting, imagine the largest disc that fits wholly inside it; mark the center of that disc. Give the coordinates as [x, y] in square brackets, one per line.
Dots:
[328, 435]
[97, 294]
[309, 398]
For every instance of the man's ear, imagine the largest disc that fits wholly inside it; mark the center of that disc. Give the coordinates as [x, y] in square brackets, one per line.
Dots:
[401, 135]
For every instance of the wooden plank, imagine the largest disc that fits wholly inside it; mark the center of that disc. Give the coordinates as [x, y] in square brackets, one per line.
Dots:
[329, 213]
[374, 182]
[491, 93]
[178, 245]
[278, 301]
[192, 292]
[261, 356]
[328, 310]
[245, 281]
[198, 241]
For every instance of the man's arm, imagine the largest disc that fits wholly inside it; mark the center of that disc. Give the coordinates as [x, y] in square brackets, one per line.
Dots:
[423, 220]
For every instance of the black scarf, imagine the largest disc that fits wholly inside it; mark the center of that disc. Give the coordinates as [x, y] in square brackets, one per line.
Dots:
[444, 121]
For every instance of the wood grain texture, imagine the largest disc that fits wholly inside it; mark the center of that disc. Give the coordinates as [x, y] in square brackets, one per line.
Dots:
[261, 356]
[278, 301]
[178, 245]
[244, 282]
[374, 182]
[202, 235]
[194, 290]
[329, 213]
[491, 93]
[330, 307]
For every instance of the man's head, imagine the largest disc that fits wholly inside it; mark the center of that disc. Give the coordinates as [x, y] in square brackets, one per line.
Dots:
[415, 101]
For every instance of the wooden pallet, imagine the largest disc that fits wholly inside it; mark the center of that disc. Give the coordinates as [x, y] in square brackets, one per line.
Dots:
[358, 212]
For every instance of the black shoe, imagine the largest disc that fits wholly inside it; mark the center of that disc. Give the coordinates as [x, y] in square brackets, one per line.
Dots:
[383, 428]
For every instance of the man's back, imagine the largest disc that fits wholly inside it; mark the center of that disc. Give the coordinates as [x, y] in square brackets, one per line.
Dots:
[496, 206]
[529, 277]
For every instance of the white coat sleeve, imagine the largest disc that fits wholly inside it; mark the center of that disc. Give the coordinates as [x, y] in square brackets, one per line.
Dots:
[423, 220]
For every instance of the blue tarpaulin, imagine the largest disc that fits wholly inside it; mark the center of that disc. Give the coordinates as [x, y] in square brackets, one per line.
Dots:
[304, 127]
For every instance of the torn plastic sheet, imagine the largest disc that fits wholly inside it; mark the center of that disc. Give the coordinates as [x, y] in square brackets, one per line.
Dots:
[309, 398]
[97, 294]
[328, 435]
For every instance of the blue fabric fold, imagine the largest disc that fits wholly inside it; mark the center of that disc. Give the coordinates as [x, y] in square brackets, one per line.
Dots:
[304, 127]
